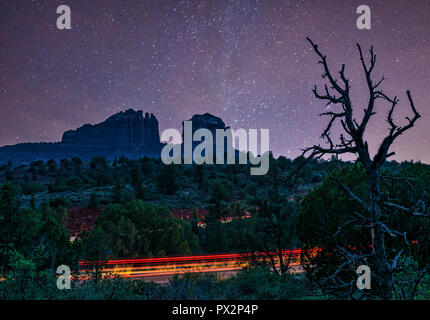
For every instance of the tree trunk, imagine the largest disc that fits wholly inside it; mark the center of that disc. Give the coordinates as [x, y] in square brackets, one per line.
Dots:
[383, 269]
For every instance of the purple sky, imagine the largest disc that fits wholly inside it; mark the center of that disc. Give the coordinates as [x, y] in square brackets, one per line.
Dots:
[246, 61]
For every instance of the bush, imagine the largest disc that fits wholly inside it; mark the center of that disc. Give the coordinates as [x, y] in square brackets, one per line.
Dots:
[58, 202]
[167, 180]
[29, 188]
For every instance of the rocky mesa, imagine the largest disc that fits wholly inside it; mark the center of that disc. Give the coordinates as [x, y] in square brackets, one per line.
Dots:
[128, 133]
[125, 131]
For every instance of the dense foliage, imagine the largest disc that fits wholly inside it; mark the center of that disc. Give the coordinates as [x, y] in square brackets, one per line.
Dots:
[228, 211]
[328, 220]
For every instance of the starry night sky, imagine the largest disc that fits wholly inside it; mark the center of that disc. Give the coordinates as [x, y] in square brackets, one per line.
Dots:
[246, 61]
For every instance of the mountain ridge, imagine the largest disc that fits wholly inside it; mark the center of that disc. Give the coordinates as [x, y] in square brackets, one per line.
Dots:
[127, 133]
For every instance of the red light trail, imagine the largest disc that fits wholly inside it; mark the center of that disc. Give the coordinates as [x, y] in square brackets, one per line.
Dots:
[160, 269]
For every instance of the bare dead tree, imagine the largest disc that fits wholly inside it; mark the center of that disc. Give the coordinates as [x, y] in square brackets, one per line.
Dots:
[352, 141]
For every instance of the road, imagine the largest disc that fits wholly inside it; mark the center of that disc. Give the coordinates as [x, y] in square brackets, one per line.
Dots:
[160, 270]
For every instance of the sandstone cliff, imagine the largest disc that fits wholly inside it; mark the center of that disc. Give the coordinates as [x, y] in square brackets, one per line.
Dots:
[210, 122]
[127, 130]
[127, 133]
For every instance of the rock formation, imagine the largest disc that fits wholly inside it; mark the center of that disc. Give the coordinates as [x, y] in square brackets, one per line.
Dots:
[124, 131]
[127, 133]
[206, 121]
